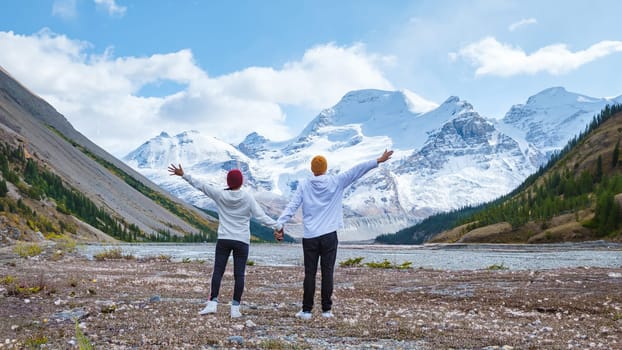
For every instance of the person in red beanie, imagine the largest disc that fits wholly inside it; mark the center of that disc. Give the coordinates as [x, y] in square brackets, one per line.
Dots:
[235, 209]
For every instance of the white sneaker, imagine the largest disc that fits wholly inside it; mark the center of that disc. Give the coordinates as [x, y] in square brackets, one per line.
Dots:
[327, 314]
[235, 311]
[210, 308]
[305, 315]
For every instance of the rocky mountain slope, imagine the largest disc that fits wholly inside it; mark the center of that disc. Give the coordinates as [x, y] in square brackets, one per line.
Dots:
[28, 121]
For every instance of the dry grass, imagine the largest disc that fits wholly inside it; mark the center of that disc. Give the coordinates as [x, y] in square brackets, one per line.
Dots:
[562, 228]
[484, 234]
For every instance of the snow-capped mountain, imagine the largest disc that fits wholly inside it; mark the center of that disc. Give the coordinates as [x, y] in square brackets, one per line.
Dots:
[466, 161]
[206, 156]
[548, 118]
[446, 156]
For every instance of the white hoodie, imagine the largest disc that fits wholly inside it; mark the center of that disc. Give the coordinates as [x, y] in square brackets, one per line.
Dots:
[321, 198]
[235, 209]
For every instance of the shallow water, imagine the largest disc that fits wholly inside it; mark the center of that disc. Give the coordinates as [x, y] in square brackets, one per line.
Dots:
[444, 257]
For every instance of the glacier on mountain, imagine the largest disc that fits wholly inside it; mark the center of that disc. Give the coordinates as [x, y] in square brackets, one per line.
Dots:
[446, 156]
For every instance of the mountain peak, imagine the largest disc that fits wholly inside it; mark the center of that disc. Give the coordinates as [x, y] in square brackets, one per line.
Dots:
[253, 144]
[548, 95]
[374, 110]
[403, 116]
[455, 100]
[451, 99]
[552, 91]
[413, 102]
[355, 106]
[551, 117]
[188, 147]
[559, 96]
[363, 94]
[188, 133]
[254, 137]
[452, 106]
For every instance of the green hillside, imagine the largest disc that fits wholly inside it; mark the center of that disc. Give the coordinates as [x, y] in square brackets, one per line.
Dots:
[35, 199]
[575, 197]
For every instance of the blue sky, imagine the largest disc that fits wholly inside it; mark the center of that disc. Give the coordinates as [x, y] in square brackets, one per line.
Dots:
[122, 71]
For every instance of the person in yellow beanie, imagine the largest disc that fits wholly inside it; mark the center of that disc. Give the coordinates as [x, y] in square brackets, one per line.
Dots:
[322, 215]
[319, 165]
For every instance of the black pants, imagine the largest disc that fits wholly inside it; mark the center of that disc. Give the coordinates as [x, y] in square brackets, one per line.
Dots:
[224, 247]
[324, 249]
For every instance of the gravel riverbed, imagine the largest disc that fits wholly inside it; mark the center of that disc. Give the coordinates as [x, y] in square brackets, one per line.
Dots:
[62, 302]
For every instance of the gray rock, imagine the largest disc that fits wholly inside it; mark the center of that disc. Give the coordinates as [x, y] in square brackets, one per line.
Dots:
[70, 315]
[237, 339]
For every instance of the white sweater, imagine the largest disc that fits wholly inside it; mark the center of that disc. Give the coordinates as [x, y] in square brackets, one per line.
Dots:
[235, 209]
[321, 200]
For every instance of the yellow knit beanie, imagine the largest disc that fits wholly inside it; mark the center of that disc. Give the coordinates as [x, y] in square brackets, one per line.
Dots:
[318, 165]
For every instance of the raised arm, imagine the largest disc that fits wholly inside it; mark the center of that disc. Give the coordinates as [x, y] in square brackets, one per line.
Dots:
[349, 176]
[209, 190]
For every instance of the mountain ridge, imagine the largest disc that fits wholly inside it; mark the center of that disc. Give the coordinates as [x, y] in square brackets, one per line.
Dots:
[451, 156]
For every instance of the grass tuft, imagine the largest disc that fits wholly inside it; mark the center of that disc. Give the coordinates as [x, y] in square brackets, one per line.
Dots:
[495, 267]
[27, 250]
[112, 254]
[386, 264]
[83, 342]
[352, 262]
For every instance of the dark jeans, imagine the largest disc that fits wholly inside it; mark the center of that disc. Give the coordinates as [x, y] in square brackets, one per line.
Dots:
[224, 247]
[324, 249]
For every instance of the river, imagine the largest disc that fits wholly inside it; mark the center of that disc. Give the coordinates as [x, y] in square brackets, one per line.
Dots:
[436, 256]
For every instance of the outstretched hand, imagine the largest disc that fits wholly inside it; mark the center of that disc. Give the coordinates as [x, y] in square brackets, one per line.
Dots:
[385, 156]
[175, 170]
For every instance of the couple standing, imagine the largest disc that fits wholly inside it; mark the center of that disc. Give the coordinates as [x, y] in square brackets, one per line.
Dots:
[322, 215]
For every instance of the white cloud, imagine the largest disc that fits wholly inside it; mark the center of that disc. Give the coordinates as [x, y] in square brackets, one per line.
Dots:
[324, 74]
[65, 9]
[523, 22]
[491, 57]
[111, 7]
[98, 93]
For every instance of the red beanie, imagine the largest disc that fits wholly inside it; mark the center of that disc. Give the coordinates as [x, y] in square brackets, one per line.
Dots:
[234, 179]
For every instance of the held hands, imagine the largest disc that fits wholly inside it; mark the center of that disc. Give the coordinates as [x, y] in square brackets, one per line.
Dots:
[175, 170]
[279, 234]
[385, 156]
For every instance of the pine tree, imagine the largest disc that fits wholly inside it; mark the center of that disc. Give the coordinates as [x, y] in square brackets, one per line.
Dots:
[586, 182]
[613, 217]
[3, 188]
[599, 169]
[616, 155]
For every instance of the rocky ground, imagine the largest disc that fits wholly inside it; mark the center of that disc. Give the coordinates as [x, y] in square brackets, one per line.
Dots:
[63, 301]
